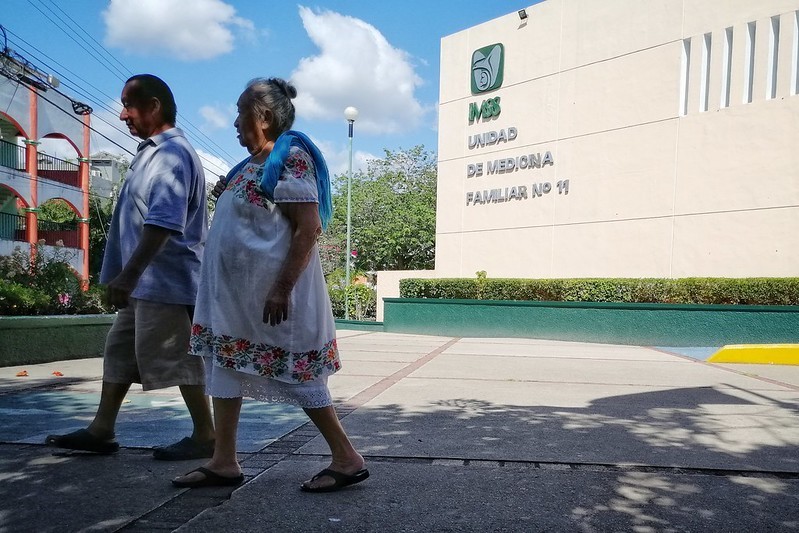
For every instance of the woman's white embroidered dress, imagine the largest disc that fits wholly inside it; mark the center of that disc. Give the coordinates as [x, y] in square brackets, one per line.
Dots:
[246, 247]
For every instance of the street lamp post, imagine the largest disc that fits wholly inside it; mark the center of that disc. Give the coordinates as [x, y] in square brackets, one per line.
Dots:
[350, 114]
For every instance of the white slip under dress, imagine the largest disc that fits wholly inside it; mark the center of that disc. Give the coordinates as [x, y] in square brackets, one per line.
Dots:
[247, 244]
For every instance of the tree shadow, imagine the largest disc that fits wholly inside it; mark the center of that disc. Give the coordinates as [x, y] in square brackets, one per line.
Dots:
[665, 460]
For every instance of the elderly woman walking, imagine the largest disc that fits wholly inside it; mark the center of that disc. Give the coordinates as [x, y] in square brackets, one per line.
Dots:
[263, 322]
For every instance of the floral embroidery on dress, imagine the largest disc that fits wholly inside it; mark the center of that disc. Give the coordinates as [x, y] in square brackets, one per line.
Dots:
[263, 359]
[298, 165]
[246, 185]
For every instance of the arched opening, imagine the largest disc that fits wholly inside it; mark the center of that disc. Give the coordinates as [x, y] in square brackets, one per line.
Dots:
[12, 221]
[57, 160]
[58, 223]
[12, 151]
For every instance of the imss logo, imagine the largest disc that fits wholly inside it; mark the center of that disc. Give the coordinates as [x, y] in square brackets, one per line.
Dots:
[487, 65]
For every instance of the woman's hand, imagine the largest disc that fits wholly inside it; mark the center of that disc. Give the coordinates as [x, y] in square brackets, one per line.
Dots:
[276, 308]
[219, 188]
[305, 228]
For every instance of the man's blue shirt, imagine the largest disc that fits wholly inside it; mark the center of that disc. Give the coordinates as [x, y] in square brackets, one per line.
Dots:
[165, 187]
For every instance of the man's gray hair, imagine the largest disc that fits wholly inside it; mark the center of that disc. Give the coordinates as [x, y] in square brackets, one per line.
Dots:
[272, 94]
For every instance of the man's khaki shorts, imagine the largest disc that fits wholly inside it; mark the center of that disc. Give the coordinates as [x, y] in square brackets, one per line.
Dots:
[148, 344]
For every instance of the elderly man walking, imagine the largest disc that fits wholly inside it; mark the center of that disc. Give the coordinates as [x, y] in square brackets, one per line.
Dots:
[151, 269]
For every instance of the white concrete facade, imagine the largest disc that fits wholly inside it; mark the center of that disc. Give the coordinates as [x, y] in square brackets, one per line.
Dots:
[672, 169]
[659, 184]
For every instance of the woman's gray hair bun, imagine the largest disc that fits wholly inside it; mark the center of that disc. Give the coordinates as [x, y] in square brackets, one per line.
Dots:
[275, 95]
[287, 88]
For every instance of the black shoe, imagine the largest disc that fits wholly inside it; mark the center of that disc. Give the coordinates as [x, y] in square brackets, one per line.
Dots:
[185, 449]
[84, 441]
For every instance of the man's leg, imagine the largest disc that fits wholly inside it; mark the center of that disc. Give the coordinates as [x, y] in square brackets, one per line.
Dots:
[162, 344]
[200, 411]
[119, 371]
[111, 398]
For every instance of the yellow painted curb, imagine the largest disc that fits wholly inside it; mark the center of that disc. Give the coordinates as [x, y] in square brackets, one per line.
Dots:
[758, 354]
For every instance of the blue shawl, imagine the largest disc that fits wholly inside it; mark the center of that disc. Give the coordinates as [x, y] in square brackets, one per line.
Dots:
[274, 164]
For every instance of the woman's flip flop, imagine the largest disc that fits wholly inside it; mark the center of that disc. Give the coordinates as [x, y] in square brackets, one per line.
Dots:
[211, 479]
[341, 480]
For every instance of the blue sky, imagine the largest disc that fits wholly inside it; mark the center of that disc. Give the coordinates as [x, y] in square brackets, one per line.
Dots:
[379, 56]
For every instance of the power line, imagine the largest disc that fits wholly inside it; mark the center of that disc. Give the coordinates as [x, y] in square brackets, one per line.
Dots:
[115, 71]
[201, 137]
[103, 105]
[218, 169]
[79, 26]
[50, 67]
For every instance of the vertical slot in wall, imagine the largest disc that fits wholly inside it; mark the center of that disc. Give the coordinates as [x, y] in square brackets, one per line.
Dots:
[773, 58]
[685, 69]
[795, 61]
[726, 68]
[749, 63]
[704, 82]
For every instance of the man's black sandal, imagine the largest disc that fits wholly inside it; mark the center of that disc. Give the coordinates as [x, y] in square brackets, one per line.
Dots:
[84, 441]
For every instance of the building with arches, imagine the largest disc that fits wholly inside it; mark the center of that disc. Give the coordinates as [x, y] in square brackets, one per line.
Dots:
[32, 109]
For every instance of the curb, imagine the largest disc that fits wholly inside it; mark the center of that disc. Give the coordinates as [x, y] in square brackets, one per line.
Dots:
[758, 354]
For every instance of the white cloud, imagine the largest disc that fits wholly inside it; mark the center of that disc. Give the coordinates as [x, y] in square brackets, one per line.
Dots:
[338, 158]
[356, 66]
[216, 118]
[199, 30]
[213, 165]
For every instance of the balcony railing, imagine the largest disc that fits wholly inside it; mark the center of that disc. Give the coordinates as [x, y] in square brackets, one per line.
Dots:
[12, 228]
[59, 233]
[48, 167]
[12, 155]
[55, 169]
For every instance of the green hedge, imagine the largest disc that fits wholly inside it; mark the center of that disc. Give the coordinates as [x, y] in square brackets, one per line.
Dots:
[751, 291]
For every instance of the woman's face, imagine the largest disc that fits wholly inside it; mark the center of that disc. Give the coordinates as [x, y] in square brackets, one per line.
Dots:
[250, 128]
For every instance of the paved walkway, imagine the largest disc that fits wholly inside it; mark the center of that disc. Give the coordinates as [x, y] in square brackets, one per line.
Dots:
[459, 435]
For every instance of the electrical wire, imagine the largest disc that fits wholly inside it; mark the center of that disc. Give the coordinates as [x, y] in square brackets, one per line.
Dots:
[80, 27]
[190, 127]
[111, 68]
[218, 169]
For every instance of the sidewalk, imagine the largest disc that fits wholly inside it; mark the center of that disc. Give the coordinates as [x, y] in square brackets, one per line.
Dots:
[459, 435]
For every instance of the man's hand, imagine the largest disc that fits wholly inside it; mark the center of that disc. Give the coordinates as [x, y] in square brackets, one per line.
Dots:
[152, 241]
[118, 290]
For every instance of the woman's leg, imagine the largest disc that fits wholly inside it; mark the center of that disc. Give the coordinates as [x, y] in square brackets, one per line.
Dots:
[345, 459]
[226, 421]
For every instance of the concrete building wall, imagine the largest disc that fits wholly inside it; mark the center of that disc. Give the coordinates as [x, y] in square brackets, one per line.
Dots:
[665, 179]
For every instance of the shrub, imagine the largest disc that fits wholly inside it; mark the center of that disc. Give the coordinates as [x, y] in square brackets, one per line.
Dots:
[362, 302]
[16, 300]
[362, 296]
[750, 291]
[45, 284]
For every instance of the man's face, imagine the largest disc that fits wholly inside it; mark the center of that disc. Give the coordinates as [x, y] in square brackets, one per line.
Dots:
[138, 116]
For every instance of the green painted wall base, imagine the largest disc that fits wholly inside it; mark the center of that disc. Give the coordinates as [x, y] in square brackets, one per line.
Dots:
[360, 325]
[42, 339]
[612, 323]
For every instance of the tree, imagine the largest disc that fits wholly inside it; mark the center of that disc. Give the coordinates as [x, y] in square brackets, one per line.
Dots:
[100, 212]
[56, 210]
[393, 213]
